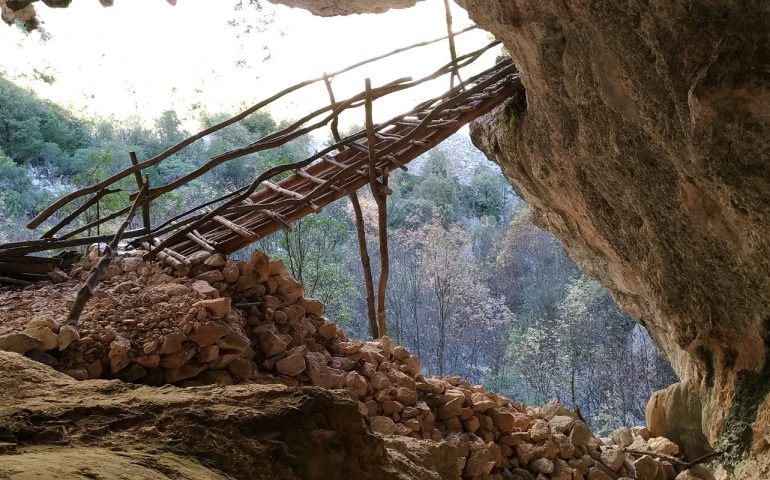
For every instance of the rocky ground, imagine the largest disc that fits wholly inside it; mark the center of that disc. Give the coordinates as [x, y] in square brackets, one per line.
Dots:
[53, 427]
[244, 334]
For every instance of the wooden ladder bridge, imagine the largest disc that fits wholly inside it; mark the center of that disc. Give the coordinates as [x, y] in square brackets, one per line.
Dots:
[231, 222]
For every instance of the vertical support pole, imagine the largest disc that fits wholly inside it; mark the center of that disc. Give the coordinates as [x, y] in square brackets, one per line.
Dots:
[146, 207]
[87, 290]
[382, 214]
[360, 231]
[139, 184]
[366, 266]
[98, 217]
[452, 49]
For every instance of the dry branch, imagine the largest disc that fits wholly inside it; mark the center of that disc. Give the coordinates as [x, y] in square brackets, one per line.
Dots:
[684, 464]
[703, 459]
[382, 212]
[76, 213]
[87, 290]
[363, 248]
[139, 184]
[96, 223]
[452, 49]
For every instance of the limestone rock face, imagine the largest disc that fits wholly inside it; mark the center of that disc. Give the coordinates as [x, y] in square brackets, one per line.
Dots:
[644, 145]
[676, 411]
[330, 8]
[251, 431]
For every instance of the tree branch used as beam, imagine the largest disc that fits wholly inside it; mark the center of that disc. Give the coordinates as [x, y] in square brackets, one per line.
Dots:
[87, 290]
[382, 214]
[363, 249]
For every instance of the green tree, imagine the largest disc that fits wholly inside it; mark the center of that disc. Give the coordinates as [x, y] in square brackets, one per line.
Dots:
[168, 129]
[27, 123]
[15, 187]
[488, 191]
[25, 139]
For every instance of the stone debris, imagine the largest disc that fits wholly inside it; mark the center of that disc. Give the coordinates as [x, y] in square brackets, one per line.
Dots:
[228, 322]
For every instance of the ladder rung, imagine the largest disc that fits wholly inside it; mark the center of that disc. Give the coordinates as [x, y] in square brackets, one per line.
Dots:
[361, 148]
[388, 136]
[278, 219]
[334, 162]
[441, 123]
[201, 242]
[209, 241]
[282, 190]
[234, 227]
[168, 253]
[318, 181]
[292, 194]
[392, 159]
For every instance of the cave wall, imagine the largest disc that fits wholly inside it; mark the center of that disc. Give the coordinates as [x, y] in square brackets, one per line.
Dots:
[645, 148]
[330, 8]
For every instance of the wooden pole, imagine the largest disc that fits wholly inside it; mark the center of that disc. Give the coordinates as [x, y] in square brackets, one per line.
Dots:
[382, 215]
[382, 220]
[452, 49]
[98, 215]
[139, 184]
[87, 290]
[366, 266]
[363, 248]
[14, 281]
[76, 213]
[683, 464]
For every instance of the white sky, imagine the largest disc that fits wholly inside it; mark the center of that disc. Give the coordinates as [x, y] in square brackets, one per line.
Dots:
[141, 57]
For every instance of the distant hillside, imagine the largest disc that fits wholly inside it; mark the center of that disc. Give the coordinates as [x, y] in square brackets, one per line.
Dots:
[32, 128]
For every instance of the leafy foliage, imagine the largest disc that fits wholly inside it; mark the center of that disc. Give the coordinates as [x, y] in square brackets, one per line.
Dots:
[27, 123]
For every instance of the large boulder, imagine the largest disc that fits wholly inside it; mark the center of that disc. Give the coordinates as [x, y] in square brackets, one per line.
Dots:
[18, 342]
[675, 413]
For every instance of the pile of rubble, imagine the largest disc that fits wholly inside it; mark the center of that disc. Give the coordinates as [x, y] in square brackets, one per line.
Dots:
[228, 322]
